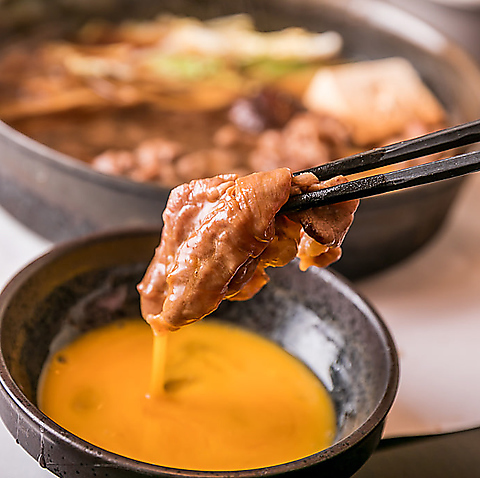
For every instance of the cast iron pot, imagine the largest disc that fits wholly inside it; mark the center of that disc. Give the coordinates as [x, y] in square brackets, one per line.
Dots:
[316, 316]
[60, 197]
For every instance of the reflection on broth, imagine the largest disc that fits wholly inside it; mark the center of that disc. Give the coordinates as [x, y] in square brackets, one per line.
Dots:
[232, 399]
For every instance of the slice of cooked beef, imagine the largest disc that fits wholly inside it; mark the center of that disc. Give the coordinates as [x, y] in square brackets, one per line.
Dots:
[221, 233]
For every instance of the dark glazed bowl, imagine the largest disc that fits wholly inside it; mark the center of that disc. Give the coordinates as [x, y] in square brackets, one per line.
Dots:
[315, 316]
[61, 198]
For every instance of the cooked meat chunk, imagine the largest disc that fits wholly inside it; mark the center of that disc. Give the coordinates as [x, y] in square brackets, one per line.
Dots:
[213, 230]
[324, 228]
[270, 108]
[151, 161]
[307, 140]
[219, 236]
[328, 224]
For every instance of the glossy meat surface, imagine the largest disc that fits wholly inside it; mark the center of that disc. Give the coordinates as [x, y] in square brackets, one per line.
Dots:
[221, 233]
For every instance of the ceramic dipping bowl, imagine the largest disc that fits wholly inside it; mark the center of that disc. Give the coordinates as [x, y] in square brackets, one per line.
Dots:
[61, 197]
[316, 316]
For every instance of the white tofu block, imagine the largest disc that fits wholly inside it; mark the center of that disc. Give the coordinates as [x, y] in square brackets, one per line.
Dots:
[376, 99]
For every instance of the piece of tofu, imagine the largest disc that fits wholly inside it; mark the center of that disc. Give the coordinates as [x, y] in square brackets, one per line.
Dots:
[376, 99]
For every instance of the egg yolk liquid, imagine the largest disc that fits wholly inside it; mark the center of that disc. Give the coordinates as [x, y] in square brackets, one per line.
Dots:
[230, 399]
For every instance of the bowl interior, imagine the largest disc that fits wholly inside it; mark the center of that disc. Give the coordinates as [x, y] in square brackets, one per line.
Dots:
[315, 316]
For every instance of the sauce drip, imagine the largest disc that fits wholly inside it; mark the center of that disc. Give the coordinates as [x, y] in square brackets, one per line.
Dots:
[159, 362]
[229, 399]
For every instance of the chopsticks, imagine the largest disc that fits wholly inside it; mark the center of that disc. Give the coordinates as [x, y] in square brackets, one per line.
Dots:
[438, 141]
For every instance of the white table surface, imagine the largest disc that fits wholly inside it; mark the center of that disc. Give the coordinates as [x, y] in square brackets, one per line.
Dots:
[431, 304]
[18, 246]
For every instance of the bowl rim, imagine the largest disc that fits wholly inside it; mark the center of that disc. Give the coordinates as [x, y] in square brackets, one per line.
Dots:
[47, 425]
[386, 17]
